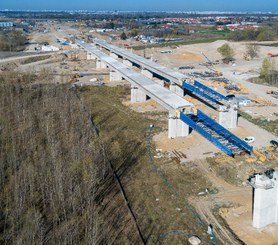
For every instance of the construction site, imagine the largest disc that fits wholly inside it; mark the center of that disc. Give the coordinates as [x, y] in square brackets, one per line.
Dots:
[208, 127]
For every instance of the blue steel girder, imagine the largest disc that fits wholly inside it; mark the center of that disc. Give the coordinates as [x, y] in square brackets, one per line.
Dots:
[224, 132]
[197, 91]
[207, 135]
[210, 91]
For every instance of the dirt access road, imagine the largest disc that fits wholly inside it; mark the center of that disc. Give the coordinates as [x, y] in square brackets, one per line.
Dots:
[235, 203]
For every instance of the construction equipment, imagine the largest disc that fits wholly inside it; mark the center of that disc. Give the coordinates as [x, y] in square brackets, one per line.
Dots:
[212, 67]
[236, 88]
[260, 155]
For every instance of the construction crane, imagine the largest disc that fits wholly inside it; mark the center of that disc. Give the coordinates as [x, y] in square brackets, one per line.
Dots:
[213, 68]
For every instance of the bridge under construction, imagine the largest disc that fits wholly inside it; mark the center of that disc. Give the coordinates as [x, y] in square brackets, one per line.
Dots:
[182, 114]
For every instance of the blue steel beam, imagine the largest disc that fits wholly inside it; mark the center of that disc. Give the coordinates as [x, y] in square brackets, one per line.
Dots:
[197, 91]
[210, 91]
[224, 132]
[205, 134]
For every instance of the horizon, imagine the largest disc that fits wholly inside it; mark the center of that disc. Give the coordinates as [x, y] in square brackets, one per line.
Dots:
[143, 6]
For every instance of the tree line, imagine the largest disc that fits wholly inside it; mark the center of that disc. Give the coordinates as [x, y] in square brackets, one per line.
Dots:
[267, 33]
[12, 40]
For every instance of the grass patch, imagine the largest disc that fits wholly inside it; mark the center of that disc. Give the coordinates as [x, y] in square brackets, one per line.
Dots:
[35, 59]
[258, 80]
[158, 210]
[224, 169]
[215, 32]
[270, 126]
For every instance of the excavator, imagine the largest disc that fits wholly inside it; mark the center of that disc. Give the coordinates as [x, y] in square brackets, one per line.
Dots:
[212, 67]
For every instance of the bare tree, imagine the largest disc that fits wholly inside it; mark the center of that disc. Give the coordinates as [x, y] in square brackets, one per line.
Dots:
[252, 50]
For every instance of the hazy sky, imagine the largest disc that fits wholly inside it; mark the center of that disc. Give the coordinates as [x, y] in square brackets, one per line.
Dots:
[151, 5]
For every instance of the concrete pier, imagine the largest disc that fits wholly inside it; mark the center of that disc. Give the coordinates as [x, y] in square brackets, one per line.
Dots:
[115, 76]
[100, 64]
[265, 198]
[160, 82]
[137, 95]
[147, 73]
[90, 56]
[228, 118]
[177, 89]
[113, 55]
[127, 62]
[176, 128]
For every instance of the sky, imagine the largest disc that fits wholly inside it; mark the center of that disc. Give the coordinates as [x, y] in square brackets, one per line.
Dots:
[143, 5]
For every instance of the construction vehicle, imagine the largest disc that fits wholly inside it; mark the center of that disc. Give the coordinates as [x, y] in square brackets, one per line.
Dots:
[212, 67]
[272, 92]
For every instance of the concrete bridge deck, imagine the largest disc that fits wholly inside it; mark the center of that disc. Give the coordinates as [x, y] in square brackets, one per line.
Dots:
[163, 71]
[163, 96]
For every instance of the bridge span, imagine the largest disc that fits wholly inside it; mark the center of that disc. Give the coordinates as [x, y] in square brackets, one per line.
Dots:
[141, 87]
[182, 113]
[179, 83]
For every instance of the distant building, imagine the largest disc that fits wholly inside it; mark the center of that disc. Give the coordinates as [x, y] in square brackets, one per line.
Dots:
[49, 48]
[6, 24]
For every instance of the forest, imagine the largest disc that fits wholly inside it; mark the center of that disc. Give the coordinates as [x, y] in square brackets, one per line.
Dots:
[56, 182]
[75, 169]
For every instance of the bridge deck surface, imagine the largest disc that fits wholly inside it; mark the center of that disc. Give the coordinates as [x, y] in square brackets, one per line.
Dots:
[163, 96]
[163, 71]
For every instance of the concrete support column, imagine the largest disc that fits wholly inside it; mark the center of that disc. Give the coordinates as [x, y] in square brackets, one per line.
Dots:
[265, 200]
[177, 89]
[115, 76]
[113, 55]
[176, 128]
[100, 64]
[90, 56]
[228, 118]
[137, 95]
[147, 73]
[160, 82]
[127, 62]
